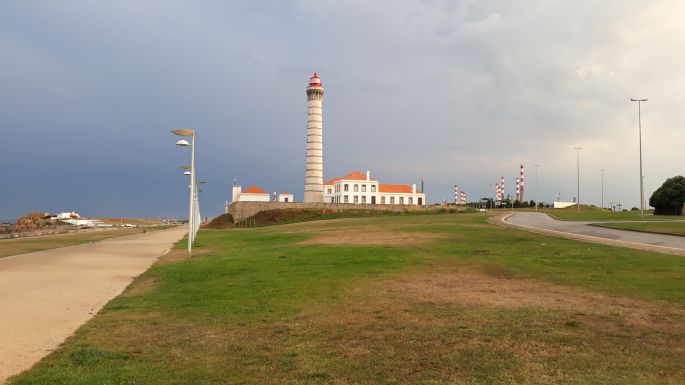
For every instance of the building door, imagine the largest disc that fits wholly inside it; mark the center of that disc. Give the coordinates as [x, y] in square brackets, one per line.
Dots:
[373, 200]
[420, 201]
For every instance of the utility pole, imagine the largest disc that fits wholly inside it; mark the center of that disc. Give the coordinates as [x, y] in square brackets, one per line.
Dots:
[602, 170]
[578, 175]
[639, 125]
[537, 197]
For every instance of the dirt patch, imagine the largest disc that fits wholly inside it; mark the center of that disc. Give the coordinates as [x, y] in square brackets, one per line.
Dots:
[460, 323]
[223, 221]
[476, 285]
[357, 237]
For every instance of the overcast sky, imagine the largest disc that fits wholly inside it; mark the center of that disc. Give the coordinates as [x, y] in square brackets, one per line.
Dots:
[454, 92]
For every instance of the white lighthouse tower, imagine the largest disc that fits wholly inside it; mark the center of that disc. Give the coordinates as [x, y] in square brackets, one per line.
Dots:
[313, 181]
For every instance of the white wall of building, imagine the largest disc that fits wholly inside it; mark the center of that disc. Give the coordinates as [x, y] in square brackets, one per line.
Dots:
[368, 192]
[235, 192]
[286, 198]
[247, 197]
[563, 205]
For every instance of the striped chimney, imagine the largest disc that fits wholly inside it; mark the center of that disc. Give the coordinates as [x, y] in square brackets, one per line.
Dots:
[522, 188]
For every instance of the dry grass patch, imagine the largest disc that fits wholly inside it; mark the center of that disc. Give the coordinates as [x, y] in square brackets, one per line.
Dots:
[177, 255]
[141, 286]
[484, 286]
[456, 324]
[361, 237]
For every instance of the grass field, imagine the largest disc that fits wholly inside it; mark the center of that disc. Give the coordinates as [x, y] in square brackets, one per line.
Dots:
[434, 299]
[672, 228]
[30, 244]
[594, 214]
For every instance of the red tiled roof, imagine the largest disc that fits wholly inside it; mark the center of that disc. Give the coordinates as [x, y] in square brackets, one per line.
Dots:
[394, 188]
[254, 190]
[354, 175]
[286, 193]
[332, 181]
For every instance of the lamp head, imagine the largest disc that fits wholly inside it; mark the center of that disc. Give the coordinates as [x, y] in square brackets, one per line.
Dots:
[186, 173]
[183, 143]
[184, 132]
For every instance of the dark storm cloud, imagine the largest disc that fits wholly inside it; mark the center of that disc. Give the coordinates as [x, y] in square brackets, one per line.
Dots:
[451, 91]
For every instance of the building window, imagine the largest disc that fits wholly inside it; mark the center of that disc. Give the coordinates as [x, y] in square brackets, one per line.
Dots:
[356, 199]
[401, 200]
[363, 198]
[330, 191]
[363, 188]
[373, 188]
[347, 187]
[382, 200]
[356, 188]
[392, 200]
[347, 200]
[411, 200]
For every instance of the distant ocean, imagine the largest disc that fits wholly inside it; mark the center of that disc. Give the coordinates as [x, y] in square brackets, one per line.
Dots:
[7, 220]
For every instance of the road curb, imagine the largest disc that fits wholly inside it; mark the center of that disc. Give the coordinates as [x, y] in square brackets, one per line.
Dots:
[501, 220]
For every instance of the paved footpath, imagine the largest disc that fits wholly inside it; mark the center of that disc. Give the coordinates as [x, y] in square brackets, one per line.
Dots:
[543, 223]
[45, 296]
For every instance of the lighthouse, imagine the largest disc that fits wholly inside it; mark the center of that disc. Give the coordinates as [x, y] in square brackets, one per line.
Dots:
[313, 181]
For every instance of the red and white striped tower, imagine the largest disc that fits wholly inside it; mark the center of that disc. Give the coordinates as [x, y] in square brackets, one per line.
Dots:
[496, 191]
[521, 186]
[456, 195]
[501, 189]
[518, 190]
[463, 197]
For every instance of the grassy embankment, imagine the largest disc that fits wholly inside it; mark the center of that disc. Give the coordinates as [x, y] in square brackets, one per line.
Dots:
[420, 299]
[30, 244]
[671, 228]
[288, 216]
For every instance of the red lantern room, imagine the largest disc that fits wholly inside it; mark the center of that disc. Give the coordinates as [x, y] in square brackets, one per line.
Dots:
[314, 81]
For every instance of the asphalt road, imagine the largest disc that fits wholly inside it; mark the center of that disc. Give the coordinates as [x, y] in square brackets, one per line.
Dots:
[45, 296]
[545, 222]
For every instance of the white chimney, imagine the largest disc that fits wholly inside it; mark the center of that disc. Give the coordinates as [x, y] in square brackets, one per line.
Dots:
[368, 175]
[413, 188]
[236, 193]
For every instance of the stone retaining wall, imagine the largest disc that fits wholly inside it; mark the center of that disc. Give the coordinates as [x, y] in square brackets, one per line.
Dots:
[244, 210]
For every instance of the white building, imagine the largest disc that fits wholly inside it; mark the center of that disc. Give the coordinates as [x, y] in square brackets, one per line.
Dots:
[66, 215]
[252, 194]
[286, 197]
[358, 188]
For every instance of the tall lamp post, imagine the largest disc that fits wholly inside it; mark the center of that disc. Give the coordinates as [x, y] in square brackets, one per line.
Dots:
[536, 186]
[639, 125]
[578, 175]
[184, 143]
[602, 170]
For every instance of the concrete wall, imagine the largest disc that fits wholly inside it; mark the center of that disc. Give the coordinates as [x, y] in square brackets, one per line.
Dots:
[244, 210]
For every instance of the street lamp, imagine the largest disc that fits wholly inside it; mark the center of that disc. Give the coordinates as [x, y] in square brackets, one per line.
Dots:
[536, 186]
[578, 175]
[639, 125]
[191, 173]
[602, 170]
